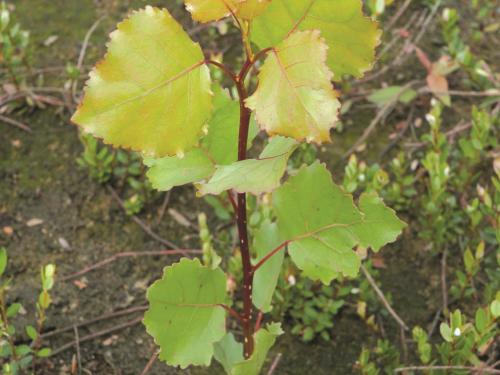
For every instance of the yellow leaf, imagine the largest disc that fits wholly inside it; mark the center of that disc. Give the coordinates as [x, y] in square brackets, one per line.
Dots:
[295, 97]
[210, 10]
[152, 91]
[249, 9]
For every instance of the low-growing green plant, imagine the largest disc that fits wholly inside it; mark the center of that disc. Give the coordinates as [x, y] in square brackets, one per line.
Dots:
[479, 72]
[119, 167]
[153, 94]
[462, 344]
[15, 354]
[311, 307]
[14, 45]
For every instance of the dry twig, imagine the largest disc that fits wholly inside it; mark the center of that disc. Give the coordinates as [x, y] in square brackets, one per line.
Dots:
[487, 370]
[81, 56]
[114, 314]
[382, 298]
[128, 254]
[78, 352]
[95, 335]
[142, 224]
[274, 365]
[15, 123]
[150, 363]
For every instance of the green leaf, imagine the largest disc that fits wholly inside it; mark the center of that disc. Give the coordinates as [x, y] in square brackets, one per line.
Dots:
[228, 352]
[3, 260]
[221, 142]
[351, 37]
[291, 101]
[266, 277]
[165, 173]
[210, 10]
[445, 332]
[22, 350]
[44, 353]
[390, 94]
[456, 319]
[481, 320]
[253, 175]
[31, 332]
[185, 315]
[264, 340]
[13, 309]
[323, 224]
[380, 224]
[495, 308]
[219, 146]
[152, 91]
[249, 9]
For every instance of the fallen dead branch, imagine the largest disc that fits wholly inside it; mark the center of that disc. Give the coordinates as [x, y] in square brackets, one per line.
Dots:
[381, 114]
[95, 335]
[150, 363]
[128, 254]
[479, 370]
[81, 56]
[16, 123]
[382, 298]
[146, 228]
[111, 315]
[274, 365]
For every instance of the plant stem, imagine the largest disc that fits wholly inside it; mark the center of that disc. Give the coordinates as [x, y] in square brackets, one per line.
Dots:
[240, 205]
[241, 217]
[5, 323]
[270, 255]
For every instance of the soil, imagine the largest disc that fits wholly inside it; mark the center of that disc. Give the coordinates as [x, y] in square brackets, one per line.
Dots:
[82, 224]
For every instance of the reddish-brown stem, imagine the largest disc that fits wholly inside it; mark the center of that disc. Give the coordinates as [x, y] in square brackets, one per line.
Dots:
[270, 255]
[241, 219]
[250, 63]
[259, 321]
[233, 202]
[224, 69]
[232, 312]
[241, 205]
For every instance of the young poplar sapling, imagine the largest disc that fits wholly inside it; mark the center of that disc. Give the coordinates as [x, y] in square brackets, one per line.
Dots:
[153, 93]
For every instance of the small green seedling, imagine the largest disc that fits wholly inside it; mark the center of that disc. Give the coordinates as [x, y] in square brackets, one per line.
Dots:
[14, 44]
[17, 357]
[153, 94]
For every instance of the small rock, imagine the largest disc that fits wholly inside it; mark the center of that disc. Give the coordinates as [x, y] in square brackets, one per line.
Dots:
[34, 222]
[50, 40]
[80, 284]
[110, 341]
[179, 218]
[64, 244]
[141, 284]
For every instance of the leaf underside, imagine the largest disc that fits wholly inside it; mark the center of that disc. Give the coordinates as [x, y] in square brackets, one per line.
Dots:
[351, 36]
[184, 315]
[151, 93]
[325, 225]
[264, 340]
[295, 97]
[266, 277]
[165, 173]
[253, 175]
[228, 352]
